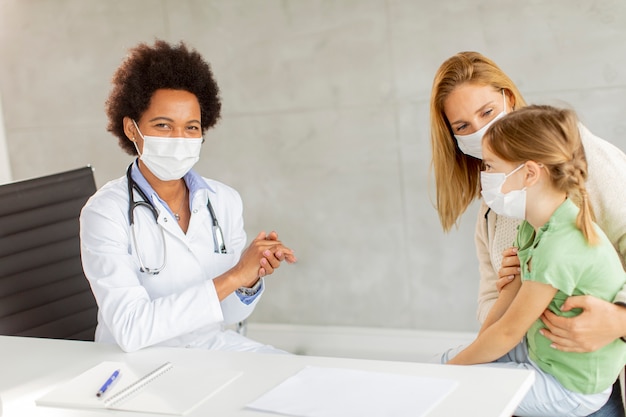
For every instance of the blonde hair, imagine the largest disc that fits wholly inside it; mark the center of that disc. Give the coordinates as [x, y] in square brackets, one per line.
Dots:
[457, 176]
[548, 136]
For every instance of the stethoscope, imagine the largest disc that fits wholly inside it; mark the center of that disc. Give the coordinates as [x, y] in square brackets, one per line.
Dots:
[218, 236]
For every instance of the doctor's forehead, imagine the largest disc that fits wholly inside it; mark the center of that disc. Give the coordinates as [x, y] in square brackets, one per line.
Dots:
[173, 104]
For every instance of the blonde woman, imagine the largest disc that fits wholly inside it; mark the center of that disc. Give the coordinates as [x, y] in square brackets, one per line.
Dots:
[469, 92]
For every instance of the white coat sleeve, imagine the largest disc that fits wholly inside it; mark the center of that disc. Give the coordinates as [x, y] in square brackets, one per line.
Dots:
[125, 308]
[233, 308]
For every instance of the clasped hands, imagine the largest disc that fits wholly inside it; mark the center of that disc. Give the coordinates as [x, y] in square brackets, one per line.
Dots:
[263, 256]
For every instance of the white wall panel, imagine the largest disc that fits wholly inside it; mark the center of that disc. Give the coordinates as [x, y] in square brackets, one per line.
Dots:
[325, 124]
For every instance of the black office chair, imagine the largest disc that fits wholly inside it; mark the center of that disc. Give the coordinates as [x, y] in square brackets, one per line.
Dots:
[43, 291]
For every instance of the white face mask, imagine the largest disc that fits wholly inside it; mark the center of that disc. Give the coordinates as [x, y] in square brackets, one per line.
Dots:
[511, 204]
[169, 158]
[472, 144]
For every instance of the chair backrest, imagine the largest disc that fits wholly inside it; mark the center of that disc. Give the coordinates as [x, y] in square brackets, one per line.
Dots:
[43, 291]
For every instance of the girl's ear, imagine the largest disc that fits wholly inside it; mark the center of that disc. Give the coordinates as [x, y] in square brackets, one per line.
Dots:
[534, 172]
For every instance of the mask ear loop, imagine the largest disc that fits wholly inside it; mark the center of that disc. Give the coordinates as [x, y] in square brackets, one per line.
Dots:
[136, 147]
[506, 176]
[515, 170]
[134, 141]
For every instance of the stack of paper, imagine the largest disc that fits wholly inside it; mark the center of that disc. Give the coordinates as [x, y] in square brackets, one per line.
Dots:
[334, 392]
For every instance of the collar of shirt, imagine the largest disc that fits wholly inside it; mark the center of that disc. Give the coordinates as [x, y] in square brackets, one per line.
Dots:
[193, 180]
[564, 214]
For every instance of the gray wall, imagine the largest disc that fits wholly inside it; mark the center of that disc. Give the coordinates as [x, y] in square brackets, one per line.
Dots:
[324, 130]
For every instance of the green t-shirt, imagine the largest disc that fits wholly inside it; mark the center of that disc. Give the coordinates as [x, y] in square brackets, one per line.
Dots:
[560, 256]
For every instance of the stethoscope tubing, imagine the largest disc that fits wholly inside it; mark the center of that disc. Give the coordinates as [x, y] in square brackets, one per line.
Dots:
[218, 236]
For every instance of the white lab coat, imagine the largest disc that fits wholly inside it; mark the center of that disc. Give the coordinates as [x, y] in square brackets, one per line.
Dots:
[179, 306]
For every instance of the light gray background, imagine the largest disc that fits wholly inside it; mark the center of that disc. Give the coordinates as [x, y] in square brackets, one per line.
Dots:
[325, 124]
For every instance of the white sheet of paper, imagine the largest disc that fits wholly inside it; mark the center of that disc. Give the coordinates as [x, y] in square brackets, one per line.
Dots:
[336, 392]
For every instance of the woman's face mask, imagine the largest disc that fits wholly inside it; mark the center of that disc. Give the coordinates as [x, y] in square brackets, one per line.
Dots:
[169, 158]
[511, 204]
[472, 144]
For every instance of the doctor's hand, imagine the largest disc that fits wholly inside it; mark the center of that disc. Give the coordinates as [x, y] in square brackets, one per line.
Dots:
[510, 268]
[599, 324]
[261, 258]
[273, 258]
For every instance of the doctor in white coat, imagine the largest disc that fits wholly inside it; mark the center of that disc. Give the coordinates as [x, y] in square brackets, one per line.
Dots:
[163, 247]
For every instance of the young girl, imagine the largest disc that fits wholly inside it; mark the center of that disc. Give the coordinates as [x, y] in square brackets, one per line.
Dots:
[535, 169]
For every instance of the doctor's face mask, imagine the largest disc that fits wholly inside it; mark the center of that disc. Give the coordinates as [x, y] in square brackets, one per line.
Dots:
[472, 144]
[169, 158]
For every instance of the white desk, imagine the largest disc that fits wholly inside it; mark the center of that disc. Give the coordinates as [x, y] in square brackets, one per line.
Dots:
[29, 367]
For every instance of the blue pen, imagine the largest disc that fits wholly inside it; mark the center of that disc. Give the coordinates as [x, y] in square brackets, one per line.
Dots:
[108, 383]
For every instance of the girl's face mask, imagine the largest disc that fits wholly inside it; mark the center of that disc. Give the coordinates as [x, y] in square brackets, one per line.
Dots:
[511, 204]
